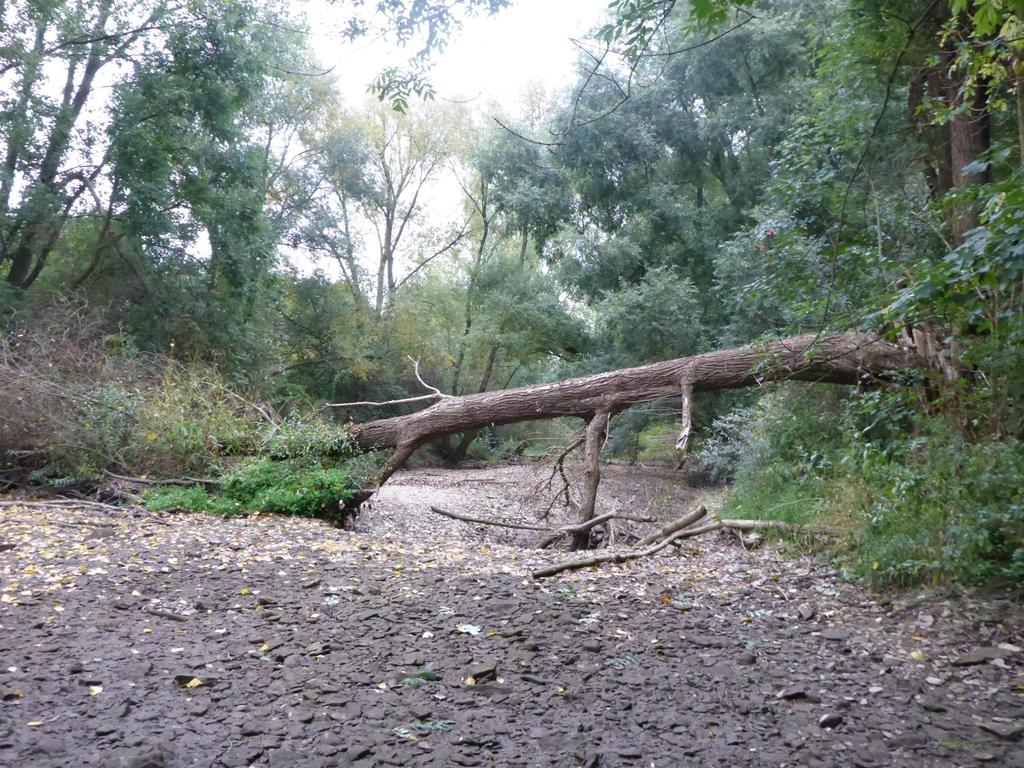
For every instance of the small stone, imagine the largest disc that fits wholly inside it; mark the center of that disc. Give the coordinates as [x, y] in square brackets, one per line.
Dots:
[310, 583]
[980, 656]
[251, 728]
[358, 752]
[76, 668]
[240, 757]
[300, 715]
[806, 611]
[907, 740]
[152, 759]
[592, 645]
[1008, 731]
[285, 758]
[747, 660]
[420, 710]
[932, 704]
[836, 634]
[830, 720]
[198, 708]
[269, 741]
[789, 694]
[484, 670]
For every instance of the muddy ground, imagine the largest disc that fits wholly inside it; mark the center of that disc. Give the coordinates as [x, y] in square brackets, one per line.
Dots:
[132, 639]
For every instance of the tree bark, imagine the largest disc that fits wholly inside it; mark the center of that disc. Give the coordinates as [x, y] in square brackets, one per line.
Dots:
[597, 428]
[847, 358]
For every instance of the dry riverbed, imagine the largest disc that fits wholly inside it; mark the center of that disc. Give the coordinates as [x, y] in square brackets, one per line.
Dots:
[415, 639]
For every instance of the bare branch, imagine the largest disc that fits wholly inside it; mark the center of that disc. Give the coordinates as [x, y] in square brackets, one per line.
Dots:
[416, 370]
[374, 403]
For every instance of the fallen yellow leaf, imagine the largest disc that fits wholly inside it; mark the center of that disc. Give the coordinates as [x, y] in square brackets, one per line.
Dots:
[95, 690]
[244, 591]
[195, 682]
[34, 723]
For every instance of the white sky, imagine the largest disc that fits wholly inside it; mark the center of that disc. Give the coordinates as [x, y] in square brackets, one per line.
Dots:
[492, 59]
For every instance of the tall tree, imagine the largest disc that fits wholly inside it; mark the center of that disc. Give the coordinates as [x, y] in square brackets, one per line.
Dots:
[52, 54]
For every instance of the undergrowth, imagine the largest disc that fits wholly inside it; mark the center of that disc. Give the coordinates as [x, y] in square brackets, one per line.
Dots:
[912, 500]
[80, 404]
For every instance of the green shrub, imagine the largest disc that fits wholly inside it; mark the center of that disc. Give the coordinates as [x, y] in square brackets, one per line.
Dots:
[192, 498]
[267, 486]
[781, 452]
[657, 442]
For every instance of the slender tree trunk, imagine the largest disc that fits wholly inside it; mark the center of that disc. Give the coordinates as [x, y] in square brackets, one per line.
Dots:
[597, 428]
[970, 137]
[460, 358]
[458, 454]
[18, 137]
[1018, 70]
[38, 235]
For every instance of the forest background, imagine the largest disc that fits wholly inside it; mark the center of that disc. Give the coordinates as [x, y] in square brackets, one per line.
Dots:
[202, 245]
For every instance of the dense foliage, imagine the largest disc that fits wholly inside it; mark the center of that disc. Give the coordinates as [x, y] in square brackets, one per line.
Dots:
[718, 171]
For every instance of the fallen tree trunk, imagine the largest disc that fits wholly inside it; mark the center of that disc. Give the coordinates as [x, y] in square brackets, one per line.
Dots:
[587, 525]
[846, 358]
[554, 533]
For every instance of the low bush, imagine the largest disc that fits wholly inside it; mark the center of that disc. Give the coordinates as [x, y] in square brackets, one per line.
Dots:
[267, 486]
